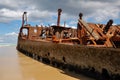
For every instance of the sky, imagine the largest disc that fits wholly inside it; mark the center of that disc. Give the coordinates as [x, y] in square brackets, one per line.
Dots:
[44, 12]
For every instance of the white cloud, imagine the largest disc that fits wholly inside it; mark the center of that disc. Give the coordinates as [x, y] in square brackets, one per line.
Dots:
[105, 14]
[11, 34]
[1, 40]
[41, 11]
[10, 13]
[69, 26]
[9, 38]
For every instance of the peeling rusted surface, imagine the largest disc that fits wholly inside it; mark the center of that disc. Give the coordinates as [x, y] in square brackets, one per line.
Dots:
[99, 35]
[89, 34]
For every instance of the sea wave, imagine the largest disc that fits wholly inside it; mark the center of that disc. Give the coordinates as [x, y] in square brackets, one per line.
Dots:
[6, 44]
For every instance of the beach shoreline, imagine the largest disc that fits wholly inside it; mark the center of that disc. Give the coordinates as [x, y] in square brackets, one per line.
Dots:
[17, 66]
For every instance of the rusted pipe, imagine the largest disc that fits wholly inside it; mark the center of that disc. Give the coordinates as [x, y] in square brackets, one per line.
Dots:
[24, 18]
[58, 20]
[80, 16]
[106, 28]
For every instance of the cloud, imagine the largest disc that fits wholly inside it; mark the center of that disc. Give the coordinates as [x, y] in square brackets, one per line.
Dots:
[1, 40]
[104, 15]
[9, 15]
[9, 38]
[11, 34]
[44, 10]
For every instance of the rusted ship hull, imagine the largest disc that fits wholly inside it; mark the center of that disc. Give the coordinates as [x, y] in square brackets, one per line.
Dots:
[91, 49]
[94, 62]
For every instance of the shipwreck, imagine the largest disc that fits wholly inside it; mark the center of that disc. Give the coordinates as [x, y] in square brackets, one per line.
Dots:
[91, 49]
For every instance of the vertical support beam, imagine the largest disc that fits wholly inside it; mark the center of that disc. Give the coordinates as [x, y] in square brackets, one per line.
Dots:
[24, 18]
[58, 20]
[79, 27]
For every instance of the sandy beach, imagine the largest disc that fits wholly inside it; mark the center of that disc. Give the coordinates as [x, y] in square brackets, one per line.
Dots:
[16, 66]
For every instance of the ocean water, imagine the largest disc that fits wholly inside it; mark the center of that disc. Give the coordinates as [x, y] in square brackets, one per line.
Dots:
[16, 66]
[7, 44]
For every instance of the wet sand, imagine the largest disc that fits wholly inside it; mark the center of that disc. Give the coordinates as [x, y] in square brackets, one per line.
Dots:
[16, 66]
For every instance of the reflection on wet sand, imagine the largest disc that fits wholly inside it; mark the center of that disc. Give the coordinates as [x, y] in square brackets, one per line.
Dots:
[16, 66]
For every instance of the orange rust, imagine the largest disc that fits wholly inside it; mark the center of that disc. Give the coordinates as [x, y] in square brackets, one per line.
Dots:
[88, 34]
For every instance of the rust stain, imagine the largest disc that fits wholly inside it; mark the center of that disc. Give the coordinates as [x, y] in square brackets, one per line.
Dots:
[90, 34]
